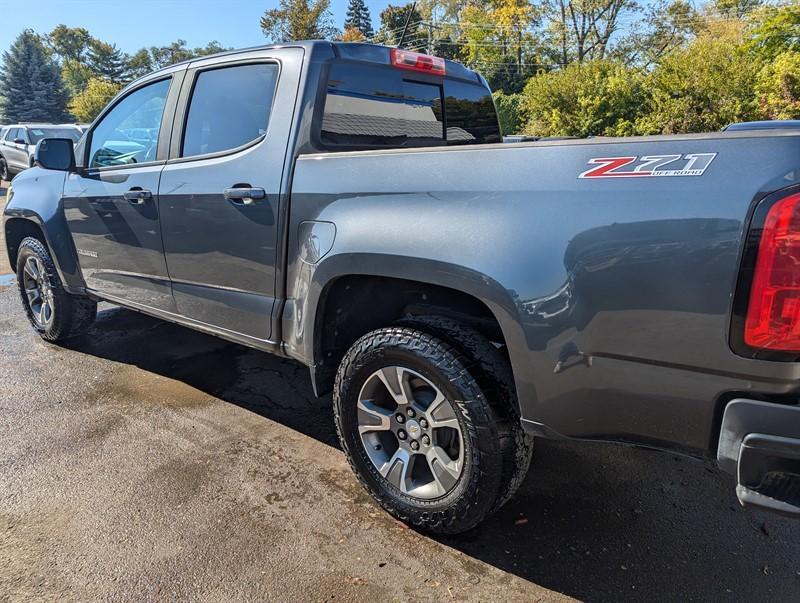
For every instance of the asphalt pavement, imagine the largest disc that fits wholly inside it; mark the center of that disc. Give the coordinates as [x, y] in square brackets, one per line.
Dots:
[148, 462]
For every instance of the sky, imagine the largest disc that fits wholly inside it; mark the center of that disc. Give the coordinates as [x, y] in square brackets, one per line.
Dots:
[132, 24]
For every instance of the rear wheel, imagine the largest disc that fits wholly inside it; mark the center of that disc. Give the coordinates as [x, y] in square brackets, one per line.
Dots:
[54, 314]
[493, 372]
[4, 173]
[418, 430]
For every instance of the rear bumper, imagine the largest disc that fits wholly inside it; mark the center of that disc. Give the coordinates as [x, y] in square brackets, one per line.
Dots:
[760, 444]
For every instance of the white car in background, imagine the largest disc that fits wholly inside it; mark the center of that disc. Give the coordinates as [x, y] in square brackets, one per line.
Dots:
[18, 142]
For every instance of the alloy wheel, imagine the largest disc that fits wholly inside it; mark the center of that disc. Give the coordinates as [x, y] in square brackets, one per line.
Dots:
[410, 432]
[38, 292]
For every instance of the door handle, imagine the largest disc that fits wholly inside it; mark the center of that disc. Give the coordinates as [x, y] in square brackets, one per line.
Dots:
[137, 195]
[244, 195]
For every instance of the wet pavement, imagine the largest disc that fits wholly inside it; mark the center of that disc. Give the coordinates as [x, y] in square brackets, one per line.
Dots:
[151, 462]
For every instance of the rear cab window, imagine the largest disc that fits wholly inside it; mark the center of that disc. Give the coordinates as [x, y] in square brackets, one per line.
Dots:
[369, 105]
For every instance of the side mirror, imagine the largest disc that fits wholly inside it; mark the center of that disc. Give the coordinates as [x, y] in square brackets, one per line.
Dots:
[55, 154]
[19, 141]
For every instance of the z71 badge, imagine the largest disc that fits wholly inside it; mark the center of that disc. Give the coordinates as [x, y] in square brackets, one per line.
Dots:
[690, 164]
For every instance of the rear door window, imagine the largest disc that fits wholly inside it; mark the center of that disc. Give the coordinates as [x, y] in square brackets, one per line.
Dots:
[229, 108]
[374, 106]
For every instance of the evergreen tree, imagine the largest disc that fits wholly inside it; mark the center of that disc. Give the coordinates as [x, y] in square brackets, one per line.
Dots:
[357, 17]
[31, 88]
[108, 62]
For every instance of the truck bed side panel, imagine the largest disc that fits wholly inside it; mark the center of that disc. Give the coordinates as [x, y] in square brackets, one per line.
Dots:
[613, 294]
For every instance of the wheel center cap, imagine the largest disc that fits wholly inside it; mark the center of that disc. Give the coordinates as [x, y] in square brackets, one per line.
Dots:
[413, 429]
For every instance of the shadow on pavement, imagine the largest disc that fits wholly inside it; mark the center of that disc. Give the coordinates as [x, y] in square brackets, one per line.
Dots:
[596, 522]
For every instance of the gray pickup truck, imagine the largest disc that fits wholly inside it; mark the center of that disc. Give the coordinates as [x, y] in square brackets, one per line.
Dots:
[353, 207]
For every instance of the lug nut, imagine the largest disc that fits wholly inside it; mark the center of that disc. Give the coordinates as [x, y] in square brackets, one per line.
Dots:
[414, 445]
[411, 412]
[423, 423]
[426, 440]
[400, 418]
[401, 434]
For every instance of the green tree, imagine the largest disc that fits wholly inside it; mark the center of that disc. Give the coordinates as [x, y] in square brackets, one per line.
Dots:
[778, 87]
[76, 75]
[701, 88]
[86, 105]
[358, 17]
[594, 98]
[107, 61]
[30, 83]
[736, 8]
[667, 25]
[69, 43]
[299, 20]
[498, 42]
[509, 111]
[775, 30]
[162, 56]
[146, 60]
[140, 63]
[583, 30]
[393, 20]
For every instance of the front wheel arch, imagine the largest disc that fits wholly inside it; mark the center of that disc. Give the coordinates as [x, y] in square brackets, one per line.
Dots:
[16, 230]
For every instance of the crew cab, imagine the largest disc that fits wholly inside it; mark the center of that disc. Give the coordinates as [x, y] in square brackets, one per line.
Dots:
[353, 207]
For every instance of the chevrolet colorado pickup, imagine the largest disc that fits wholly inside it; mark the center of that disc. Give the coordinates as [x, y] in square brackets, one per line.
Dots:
[352, 207]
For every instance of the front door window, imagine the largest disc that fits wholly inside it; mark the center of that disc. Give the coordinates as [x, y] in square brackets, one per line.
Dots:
[128, 134]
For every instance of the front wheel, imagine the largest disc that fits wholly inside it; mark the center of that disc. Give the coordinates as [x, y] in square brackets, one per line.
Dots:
[418, 430]
[4, 173]
[54, 314]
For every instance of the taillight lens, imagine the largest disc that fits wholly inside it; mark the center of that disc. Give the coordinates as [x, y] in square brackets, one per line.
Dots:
[773, 312]
[414, 61]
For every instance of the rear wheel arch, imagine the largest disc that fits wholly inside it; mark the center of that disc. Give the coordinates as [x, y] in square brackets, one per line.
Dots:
[351, 305]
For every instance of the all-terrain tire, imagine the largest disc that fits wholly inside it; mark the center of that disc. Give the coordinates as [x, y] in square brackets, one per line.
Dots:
[72, 314]
[493, 372]
[479, 488]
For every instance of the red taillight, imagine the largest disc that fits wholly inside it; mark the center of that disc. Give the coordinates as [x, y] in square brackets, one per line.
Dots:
[773, 313]
[414, 61]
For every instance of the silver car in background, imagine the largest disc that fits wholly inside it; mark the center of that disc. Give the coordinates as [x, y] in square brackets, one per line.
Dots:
[18, 142]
